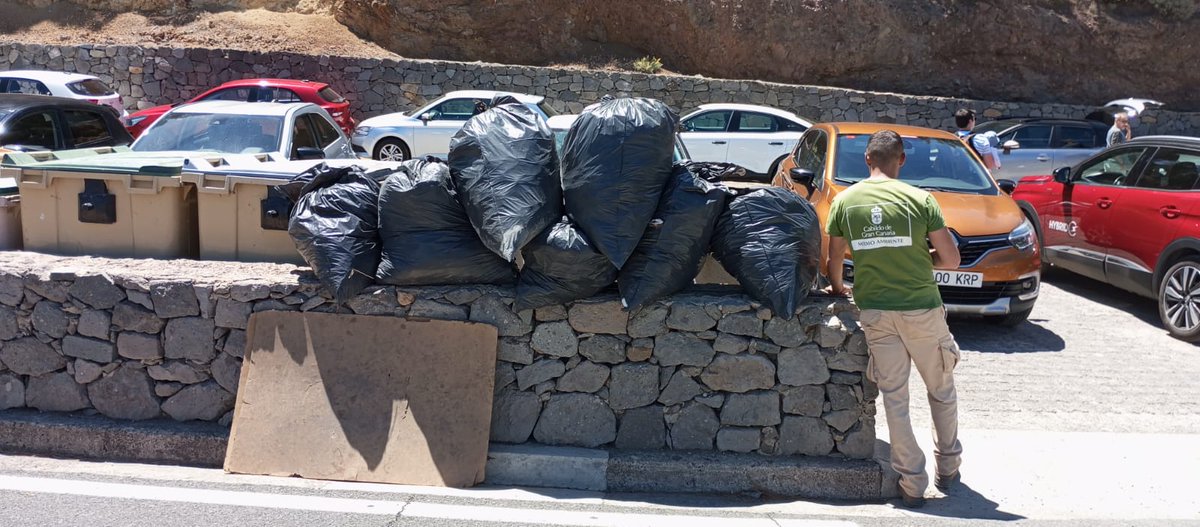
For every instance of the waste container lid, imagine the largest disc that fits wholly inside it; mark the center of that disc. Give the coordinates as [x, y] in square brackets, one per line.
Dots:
[120, 163]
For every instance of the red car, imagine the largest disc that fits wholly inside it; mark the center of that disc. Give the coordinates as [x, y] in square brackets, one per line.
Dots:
[1128, 216]
[259, 90]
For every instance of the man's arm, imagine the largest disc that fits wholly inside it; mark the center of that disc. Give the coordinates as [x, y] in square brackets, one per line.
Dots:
[837, 252]
[945, 252]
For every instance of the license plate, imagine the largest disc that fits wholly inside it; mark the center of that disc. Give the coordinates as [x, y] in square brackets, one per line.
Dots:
[958, 278]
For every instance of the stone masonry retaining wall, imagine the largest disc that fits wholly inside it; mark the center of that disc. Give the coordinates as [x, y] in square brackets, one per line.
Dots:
[704, 370]
[147, 76]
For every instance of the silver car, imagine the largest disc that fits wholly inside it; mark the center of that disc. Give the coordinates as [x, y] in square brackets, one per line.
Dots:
[1045, 144]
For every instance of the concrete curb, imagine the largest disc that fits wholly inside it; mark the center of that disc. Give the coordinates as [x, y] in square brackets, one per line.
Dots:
[203, 444]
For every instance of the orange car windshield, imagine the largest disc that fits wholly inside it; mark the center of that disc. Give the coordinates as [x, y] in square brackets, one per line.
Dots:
[942, 165]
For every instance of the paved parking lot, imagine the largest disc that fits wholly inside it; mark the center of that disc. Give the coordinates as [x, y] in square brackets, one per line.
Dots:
[1091, 359]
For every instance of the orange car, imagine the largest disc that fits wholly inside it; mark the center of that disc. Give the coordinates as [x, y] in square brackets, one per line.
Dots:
[1000, 271]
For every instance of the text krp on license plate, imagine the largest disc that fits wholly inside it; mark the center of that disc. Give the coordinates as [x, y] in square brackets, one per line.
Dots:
[958, 278]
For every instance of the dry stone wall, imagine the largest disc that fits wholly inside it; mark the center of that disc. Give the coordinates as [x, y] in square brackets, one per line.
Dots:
[703, 370]
[148, 76]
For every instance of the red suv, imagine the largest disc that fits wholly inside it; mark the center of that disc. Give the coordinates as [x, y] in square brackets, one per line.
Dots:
[259, 90]
[1128, 216]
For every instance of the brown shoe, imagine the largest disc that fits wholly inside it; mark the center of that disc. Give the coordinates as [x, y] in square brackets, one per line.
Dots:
[943, 483]
[911, 502]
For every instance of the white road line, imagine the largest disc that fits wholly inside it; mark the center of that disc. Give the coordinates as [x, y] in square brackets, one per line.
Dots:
[389, 508]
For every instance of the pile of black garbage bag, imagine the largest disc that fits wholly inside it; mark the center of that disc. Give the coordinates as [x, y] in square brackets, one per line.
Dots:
[612, 207]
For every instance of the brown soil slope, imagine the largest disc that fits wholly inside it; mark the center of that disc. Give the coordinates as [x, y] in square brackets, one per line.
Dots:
[1079, 51]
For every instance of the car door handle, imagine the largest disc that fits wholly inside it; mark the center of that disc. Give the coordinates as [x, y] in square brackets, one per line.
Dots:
[1169, 212]
[1043, 157]
[776, 143]
[718, 142]
[1104, 203]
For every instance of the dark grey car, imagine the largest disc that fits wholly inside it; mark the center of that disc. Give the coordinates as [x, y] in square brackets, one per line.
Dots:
[38, 122]
[1045, 144]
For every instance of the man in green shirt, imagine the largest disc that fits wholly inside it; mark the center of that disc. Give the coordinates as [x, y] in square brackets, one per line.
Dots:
[884, 222]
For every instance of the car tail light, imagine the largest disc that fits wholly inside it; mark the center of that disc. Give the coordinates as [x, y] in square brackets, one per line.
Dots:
[94, 101]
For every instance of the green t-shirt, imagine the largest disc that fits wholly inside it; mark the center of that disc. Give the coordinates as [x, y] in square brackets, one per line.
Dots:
[886, 222]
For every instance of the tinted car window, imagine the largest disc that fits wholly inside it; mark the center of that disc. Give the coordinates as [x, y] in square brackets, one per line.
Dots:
[932, 164]
[995, 126]
[785, 125]
[1074, 137]
[38, 129]
[302, 135]
[811, 153]
[326, 133]
[1032, 136]
[454, 110]
[30, 87]
[230, 94]
[330, 95]
[278, 95]
[230, 134]
[709, 122]
[755, 122]
[1171, 169]
[91, 88]
[1113, 168]
[87, 128]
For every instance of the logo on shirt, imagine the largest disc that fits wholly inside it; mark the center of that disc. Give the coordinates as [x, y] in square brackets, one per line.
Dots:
[884, 225]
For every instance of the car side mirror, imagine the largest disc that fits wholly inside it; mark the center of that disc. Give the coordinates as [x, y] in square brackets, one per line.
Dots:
[1063, 175]
[309, 152]
[1009, 146]
[426, 117]
[802, 176]
[1007, 185]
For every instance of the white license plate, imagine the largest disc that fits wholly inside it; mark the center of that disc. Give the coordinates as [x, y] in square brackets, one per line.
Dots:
[958, 278]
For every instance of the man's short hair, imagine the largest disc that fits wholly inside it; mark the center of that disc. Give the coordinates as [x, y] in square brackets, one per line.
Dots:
[963, 117]
[885, 146]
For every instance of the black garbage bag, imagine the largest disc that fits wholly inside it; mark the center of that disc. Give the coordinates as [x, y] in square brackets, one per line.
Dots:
[335, 226]
[561, 266]
[427, 238]
[673, 247]
[770, 240]
[616, 160]
[713, 171]
[505, 168]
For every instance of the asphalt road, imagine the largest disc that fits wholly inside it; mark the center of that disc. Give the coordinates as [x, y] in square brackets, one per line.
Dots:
[1088, 415]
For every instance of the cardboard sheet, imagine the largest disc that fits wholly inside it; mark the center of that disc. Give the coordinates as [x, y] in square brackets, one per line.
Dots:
[364, 398]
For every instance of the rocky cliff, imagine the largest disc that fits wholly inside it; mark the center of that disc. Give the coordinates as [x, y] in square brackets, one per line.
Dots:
[1076, 51]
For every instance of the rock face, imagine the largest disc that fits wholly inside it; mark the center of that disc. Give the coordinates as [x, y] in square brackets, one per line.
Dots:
[126, 394]
[576, 419]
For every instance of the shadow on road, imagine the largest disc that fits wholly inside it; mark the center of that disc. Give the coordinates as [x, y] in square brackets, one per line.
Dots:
[965, 503]
[1145, 309]
[985, 337]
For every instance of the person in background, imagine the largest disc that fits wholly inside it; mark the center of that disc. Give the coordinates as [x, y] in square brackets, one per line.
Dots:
[985, 144]
[1120, 131]
[884, 222]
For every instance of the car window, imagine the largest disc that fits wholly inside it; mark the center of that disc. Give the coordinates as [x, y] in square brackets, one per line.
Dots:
[26, 86]
[995, 126]
[91, 88]
[1074, 137]
[933, 164]
[810, 155]
[785, 125]
[717, 121]
[1032, 136]
[37, 129]
[755, 122]
[224, 133]
[330, 95]
[326, 133]
[277, 95]
[302, 135]
[230, 94]
[1170, 169]
[87, 128]
[453, 110]
[1113, 168]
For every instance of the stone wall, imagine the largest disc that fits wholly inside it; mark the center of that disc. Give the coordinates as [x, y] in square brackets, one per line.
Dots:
[703, 370]
[148, 76]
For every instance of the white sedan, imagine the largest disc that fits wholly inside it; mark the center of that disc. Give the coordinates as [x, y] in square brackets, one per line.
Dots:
[756, 137]
[427, 130]
[59, 84]
[284, 130]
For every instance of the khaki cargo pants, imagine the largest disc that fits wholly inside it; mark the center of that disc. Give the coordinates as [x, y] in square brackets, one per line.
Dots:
[895, 339]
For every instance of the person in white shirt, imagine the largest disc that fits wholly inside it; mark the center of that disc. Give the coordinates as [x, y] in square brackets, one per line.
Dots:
[987, 144]
[1120, 131]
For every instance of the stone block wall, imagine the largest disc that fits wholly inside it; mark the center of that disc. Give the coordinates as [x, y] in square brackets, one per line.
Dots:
[148, 76]
[703, 370]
